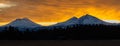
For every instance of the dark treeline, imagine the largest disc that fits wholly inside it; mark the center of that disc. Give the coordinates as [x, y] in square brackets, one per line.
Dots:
[74, 32]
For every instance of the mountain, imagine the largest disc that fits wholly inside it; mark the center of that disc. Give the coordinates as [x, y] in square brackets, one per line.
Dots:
[23, 23]
[89, 19]
[71, 21]
[86, 19]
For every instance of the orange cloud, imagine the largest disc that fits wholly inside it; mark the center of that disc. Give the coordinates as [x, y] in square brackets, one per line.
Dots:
[60, 10]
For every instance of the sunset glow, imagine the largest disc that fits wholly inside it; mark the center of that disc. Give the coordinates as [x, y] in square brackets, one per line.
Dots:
[112, 21]
[5, 5]
[45, 12]
[2, 5]
[47, 23]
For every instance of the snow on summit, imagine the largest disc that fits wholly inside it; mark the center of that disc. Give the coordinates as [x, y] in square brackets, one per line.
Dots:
[24, 22]
[86, 19]
[71, 21]
[89, 19]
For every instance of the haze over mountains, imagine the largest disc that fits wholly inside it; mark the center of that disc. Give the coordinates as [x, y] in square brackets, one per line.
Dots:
[86, 19]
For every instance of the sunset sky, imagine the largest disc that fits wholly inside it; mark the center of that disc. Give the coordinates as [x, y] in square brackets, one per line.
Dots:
[41, 11]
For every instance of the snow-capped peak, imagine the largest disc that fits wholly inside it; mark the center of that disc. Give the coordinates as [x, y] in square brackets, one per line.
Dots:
[72, 19]
[22, 19]
[89, 19]
[86, 19]
[24, 22]
[87, 16]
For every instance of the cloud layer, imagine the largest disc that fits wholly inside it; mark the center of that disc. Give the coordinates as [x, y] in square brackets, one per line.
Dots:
[60, 10]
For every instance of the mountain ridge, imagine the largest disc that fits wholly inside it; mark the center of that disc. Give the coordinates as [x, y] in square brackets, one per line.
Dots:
[85, 19]
[89, 19]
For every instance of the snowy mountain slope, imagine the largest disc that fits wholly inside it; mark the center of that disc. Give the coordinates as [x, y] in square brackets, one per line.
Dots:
[88, 19]
[25, 22]
[71, 21]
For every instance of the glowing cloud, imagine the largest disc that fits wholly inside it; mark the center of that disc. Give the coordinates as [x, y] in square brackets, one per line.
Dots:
[5, 5]
[58, 10]
[112, 21]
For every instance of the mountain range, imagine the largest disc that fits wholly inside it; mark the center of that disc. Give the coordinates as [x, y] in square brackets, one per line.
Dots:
[84, 20]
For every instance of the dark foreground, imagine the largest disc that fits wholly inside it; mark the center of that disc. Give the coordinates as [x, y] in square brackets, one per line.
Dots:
[61, 43]
[75, 32]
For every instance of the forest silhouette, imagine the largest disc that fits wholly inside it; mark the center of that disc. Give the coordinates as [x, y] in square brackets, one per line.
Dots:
[72, 32]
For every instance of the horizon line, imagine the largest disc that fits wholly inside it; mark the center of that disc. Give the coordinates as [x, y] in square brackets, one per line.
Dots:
[52, 23]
